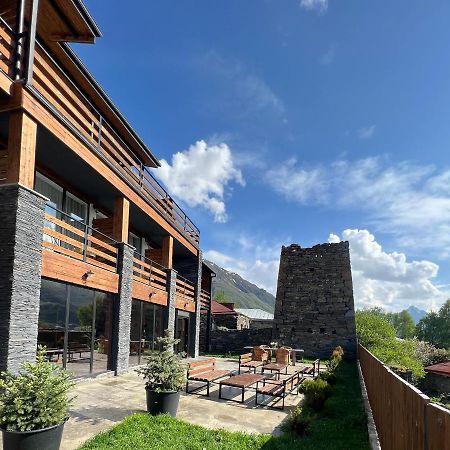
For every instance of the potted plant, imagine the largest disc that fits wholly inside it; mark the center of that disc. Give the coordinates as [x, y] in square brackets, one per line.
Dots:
[164, 376]
[34, 405]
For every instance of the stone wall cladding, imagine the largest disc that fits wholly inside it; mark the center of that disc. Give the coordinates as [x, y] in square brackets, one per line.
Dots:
[234, 341]
[122, 319]
[314, 307]
[21, 228]
[194, 331]
[170, 311]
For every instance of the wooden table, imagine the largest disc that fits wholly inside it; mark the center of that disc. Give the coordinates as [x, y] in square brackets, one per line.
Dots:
[275, 367]
[244, 380]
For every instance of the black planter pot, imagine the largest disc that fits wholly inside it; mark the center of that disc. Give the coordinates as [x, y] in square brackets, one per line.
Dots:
[45, 439]
[162, 402]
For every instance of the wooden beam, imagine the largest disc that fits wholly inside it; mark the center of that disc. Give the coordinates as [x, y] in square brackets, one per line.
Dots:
[167, 252]
[21, 149]
[33, 107]
[121, 219]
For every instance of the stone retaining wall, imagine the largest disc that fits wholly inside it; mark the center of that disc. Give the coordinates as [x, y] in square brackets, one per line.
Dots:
[235, 340]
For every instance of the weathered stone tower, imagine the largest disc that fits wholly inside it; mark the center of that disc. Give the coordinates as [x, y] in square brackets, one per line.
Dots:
[314, 309]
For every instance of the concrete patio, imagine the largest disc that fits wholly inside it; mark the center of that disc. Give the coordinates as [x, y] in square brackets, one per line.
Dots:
[103, 402]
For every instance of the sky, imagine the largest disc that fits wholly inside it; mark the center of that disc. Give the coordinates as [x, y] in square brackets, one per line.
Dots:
[296, 121]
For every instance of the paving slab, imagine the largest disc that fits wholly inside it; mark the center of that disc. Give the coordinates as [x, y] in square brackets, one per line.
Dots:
[103, 402]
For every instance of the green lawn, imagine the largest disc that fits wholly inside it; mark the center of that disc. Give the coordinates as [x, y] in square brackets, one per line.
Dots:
[340, 426]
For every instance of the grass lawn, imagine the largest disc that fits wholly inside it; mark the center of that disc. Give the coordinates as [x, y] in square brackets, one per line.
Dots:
[341, 425]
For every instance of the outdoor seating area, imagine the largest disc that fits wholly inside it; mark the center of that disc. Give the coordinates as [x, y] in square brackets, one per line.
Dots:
[274, 381]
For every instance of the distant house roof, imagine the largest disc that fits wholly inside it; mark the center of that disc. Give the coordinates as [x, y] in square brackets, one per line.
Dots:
[220, 309]
[255, 314]
[440, 369]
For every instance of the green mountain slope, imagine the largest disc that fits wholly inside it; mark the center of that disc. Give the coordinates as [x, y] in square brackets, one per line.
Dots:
[239, 291]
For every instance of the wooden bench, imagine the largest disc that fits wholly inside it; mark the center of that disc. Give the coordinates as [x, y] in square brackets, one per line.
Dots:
[278, 389]
[204, 371]
[313, 370]
[246, 360]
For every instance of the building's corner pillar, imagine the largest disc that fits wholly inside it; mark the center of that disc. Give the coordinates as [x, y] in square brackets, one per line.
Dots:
[122, 310]
[21, 228]
[170, 313]
[194, 330]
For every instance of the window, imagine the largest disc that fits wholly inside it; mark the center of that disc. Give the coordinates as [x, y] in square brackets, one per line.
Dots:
[76, 208]
[135, 241]
[52, 191]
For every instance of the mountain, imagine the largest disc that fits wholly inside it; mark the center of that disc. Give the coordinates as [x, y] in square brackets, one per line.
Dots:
[416, 313]
[239, 291]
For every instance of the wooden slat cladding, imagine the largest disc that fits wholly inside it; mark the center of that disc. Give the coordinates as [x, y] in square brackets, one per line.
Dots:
[205, 299]
[404, 417]
[68, 240]
[185, 295]
[6, 50]
[149, 294]
[68, 101]
[60, 267]
[149, 273]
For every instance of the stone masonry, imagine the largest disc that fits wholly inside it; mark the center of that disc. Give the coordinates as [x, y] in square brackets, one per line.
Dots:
[21, 225]
[192, 270]
[122, 312]
[314, 307]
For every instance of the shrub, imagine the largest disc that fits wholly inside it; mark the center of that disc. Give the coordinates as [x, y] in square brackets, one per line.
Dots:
[428, 354]
[328, 376]
[338, 352]
[315, 392]
[299, 420]
[35, 398]
[163, 371]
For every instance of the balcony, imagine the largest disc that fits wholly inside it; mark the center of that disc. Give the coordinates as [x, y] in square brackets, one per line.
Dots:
[149, 280]
[72, 107]
[6, 56]
[74, 252]
[185, 294]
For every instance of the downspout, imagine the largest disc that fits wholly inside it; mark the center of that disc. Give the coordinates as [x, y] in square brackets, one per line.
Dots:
[20, 36]
[24, 57]
[28, 76]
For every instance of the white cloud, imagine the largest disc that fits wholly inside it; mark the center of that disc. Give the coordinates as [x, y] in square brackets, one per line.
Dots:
[200, 175]
[405, 199]
[314, 5]
[366, 132]
[386, 279]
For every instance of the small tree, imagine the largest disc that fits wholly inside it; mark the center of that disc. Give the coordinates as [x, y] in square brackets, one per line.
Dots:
[35, 398]
[164, 371]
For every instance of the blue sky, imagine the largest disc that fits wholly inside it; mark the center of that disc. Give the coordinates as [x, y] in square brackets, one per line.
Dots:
[301, 121]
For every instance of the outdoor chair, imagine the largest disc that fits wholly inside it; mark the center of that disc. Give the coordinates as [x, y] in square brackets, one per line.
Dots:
[281, 364]
[278, 389]
[283, 355]
[260, 354]
[204, 371]
[253, 360]
[269, 351]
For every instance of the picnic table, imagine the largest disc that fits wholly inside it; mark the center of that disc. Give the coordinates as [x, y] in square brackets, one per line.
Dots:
[243, 381]
[293, 351]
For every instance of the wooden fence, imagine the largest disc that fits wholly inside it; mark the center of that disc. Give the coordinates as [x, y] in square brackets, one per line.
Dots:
[405, 418]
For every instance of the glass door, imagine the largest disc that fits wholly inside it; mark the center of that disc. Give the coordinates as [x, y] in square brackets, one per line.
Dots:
[75, 324]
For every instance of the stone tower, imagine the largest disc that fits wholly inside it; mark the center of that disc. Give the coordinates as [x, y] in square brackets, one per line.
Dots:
[314, 309]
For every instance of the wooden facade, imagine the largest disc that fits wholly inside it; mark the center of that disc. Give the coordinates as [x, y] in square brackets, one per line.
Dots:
[58, 120]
